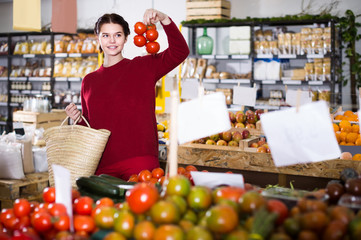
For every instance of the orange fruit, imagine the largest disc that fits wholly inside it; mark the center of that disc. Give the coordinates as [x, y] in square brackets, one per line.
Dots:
[339, 117]
[342, 143]
[338, 137]
[358, 141]
[351, 137]
[348, 113]
[343, 136]
[346, 129]
[335, 127]
[355, 128]
[349, 144]
[344, 123]
[357, 157]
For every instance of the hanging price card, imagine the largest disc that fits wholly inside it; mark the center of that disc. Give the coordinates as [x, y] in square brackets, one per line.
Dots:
[294, 97]
[300, 137]
[202, 117]
[244, 96]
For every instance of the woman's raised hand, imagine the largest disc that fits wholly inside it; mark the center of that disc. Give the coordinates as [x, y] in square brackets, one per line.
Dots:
[152, 16]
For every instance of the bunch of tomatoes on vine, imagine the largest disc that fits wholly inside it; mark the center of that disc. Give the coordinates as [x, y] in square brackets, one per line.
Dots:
[146, 36]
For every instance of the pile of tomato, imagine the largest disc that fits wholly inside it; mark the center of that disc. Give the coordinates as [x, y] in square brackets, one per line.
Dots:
[157, 175]
[146, 36]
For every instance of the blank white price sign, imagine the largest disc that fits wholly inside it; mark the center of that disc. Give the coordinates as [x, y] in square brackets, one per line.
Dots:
[202, 117]
[300, 137]
[189, 89]
[304, 97]
[244, 96]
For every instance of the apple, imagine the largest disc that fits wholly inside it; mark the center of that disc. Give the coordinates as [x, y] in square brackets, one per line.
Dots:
[227, 136]
[258, 113]
[254, 145]
[250, 126]
[248, 187]
[221, 142]
[262, 149]
[261, 142]
[251, 118]
[232, 117]
[240, 117]
[233, 143]
[232, 124]
[210, 142]
[239, 125]
[268, 150]
[245, 134]
[201, 141]
[214, 137]
[237, 136]
[249, 112]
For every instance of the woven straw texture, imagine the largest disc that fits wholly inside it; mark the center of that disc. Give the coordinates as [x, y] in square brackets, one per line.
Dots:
[76, 148]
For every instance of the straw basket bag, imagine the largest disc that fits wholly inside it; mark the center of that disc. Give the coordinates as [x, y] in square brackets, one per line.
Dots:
[75, 147]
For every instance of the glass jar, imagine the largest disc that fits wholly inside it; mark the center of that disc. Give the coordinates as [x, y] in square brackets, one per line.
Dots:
[204, 44]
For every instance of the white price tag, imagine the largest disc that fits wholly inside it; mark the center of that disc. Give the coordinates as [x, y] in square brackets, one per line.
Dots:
[202, 117]
[304, 97]
[300, 137]
[63, 189]
[214, 179]
[244, 96]
[189, 89]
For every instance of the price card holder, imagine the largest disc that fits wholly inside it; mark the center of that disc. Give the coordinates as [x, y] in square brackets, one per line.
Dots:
[301, 136]
[189, 89]
[292, 97]
[202, 117]
[244, 96]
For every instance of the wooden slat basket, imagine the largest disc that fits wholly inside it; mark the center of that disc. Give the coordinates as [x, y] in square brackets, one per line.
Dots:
[201, 9]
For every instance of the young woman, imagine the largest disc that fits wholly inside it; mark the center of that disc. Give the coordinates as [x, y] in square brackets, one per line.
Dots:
[120, 95]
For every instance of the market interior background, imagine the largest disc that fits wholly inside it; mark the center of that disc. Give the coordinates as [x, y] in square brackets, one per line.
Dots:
[90, 10]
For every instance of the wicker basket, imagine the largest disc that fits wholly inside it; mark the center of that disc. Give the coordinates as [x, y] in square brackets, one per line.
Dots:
[75, 147]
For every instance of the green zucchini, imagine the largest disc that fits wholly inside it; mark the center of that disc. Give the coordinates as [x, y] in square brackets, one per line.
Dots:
[99, 188]
[96, 197]
[115, 181]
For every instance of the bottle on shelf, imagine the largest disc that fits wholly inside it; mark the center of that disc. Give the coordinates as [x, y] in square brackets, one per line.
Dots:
[204, 43]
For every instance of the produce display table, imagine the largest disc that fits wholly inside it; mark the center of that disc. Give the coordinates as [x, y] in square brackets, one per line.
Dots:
[237, 160]
[31, 188]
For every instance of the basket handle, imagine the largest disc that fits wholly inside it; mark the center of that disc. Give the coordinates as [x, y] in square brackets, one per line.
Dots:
[76, 121]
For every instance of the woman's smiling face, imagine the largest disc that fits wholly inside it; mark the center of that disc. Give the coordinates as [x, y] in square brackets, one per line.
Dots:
[112, 39]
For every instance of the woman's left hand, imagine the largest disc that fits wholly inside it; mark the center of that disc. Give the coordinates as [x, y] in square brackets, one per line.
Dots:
[152, 16]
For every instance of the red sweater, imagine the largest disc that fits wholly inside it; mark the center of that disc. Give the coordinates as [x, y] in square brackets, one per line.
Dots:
[121, 98]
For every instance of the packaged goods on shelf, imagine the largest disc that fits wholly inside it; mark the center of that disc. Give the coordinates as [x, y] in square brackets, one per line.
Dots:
[74, 67]
[3, 71]
[3, 48]
[40, 47]
[21, 47]
[239, 46]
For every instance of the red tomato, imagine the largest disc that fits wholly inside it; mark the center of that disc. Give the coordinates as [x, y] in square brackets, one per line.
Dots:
[23, 222]
[105, 201]
[277, 206]
[41, 221]
[144, 175]
[157, 172]
[139, 40]
[49, 194]
[229, 192]
[152, 47]
[133, 178]
[8, 218]
[83, 205]
[191, 168]
[140, 28]
[181, 170]
[151, 26]
[151, 35]
[21, 207]
[62, 223]
[84, 223]
[57, 209]
[74, 194]
[142, 197]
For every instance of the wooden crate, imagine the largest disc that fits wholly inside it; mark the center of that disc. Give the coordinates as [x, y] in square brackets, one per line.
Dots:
[31, 188]
[40, 120]
[260, 162]
[199, 9]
